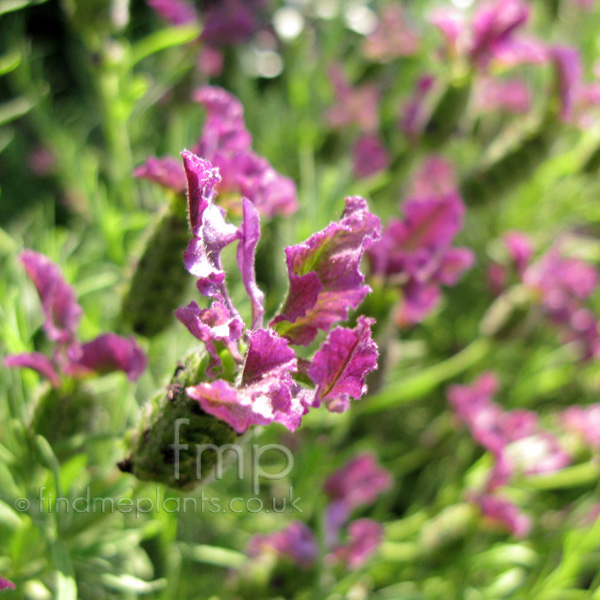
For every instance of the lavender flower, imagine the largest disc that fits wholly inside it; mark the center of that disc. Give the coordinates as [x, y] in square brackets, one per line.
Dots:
[511, 95]
[392, 38]
[358, 105]
[324, 274]
[176, 12]
[5, 584]
[584, 421]
[519, 445]
[106, 353]
[297, 542]
[227, 143]
[369, 156]
[415, 252]
[358, 483]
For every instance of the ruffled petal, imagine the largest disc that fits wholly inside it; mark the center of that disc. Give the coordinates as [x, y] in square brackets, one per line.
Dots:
[329, 259]
[340, 367]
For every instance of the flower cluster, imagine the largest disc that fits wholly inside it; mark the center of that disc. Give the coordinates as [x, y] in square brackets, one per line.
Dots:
[561, 285]
[70, 358]
[358, 483]
[225, 23]
[415, 253]
[325, 283]
[227, 143]
[519, 445]
[358, 106]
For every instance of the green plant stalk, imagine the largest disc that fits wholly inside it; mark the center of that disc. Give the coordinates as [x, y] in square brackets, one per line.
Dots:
[416, 386]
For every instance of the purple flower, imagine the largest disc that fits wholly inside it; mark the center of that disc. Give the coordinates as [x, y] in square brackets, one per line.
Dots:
[5, 584]
[519, 444]
[392, 38]
[227, 144]
[511, 95]
[369, 156]
[230, 22]
[504, 513]
[415, 251]
[494, 24]
[297, 542]
[176, 12]
[325, 277]
[585, 421]
[365, 536]
[265, 389]
[491, 35]
[519, 248]
[357, 105]
[267, 392]
[358, 483]
[105, 354]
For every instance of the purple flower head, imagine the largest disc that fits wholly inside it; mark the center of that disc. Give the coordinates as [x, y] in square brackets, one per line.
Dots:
[365, 536]
[230, 22]
[325, 277]
[504, 513]
[584, 421]
[519, 249]
[227, 144]
[265, 389]
[357, 105]
[297, 542]
[105, 354]
[5, 584]
[358, 483]
[369, 156]
[175, 12]
[511, 95]
[491, 35]
[415, 251]
[519, 444]
[494, 24]
[392, 38]
[58, 298]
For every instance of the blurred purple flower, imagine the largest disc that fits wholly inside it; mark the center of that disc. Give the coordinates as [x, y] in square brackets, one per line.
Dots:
[105, 354]
[175, 12]
[227, 143]
[230, 22]
[585, 421]
[392, 38]
[365, 536]
[569, 72]
[504, 513]
[358, 483]
[296, 541]
[415, 251]
[5, 584]
[515, 438]
[510, 95]
[358, 105]
[369, 156]
[490, 35]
